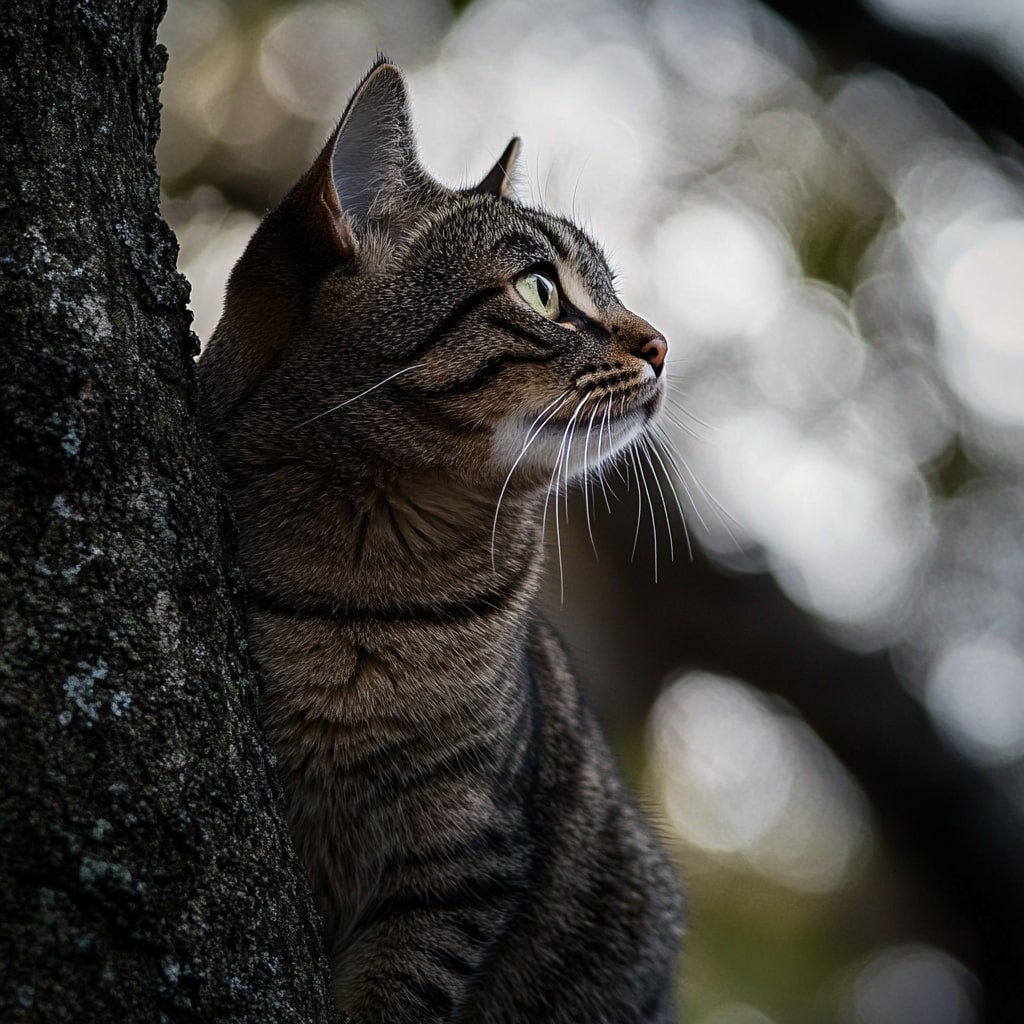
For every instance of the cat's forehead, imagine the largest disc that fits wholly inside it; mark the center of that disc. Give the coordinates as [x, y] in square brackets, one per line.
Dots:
[573, 246]
[581, 264]
[514, 237]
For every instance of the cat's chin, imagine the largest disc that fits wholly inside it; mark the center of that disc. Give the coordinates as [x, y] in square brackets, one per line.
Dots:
[562, 450]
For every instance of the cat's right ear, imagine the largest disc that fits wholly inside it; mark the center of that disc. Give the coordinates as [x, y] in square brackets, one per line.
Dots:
[498, 181]
[369, 164]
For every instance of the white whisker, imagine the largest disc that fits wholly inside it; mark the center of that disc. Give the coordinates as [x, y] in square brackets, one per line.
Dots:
[544, 518]
[686, 488]
[587, 483]
[639, 501]
[686, 414]
[560, 479]
[683, 428]
[646, 450]
[605, 425]
[642, 478]
[362, 394]
[570, 436]
[655, 448]
[722, 514]
[532, 433]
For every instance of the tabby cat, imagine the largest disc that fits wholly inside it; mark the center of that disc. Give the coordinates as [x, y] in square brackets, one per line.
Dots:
[402, 373]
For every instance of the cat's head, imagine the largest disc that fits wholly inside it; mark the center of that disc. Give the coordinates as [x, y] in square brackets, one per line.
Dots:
[381, 319]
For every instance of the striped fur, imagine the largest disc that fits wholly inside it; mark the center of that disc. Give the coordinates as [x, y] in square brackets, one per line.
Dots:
[393, 414]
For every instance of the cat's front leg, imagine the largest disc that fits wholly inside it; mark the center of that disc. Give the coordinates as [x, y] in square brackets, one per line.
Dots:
[418, 957]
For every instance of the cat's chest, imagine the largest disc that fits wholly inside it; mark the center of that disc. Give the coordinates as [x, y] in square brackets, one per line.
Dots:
[353, 685]
[384, 727]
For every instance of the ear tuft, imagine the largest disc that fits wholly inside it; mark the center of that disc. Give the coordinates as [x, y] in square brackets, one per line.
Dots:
[498, 181]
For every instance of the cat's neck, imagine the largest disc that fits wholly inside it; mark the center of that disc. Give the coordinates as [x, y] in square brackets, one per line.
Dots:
[379, 541]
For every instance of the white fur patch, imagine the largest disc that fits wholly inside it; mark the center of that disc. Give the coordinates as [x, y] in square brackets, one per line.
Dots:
[576, 291]
[520, 443]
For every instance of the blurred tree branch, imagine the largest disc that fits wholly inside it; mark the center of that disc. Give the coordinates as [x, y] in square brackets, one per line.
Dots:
[849, 35]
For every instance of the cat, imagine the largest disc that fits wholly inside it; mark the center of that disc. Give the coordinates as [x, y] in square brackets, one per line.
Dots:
[401, 374]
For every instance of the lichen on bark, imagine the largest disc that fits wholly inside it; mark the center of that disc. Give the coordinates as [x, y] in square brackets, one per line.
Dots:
[146, 869]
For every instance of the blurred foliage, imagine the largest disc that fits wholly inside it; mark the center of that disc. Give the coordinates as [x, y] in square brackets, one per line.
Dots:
[954, 471]
[738, 919]
[833, 241]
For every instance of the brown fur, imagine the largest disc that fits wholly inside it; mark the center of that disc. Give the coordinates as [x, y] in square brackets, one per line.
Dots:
[471, 847]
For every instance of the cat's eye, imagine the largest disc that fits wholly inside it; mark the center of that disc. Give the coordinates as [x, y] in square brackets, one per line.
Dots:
[540, 292]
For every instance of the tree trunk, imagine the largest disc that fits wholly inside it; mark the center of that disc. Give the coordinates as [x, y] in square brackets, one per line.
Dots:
[145, 867]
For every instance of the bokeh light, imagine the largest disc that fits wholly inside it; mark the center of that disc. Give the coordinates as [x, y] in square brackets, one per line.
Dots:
[720, 273]
[982, 317]
[975, 690]
[740, 778]
[911, 985]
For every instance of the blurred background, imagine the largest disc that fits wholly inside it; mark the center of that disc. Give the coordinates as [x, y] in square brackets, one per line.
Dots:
[817, 678]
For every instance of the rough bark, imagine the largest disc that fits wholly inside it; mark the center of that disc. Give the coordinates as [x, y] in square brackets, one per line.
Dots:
[145, 870]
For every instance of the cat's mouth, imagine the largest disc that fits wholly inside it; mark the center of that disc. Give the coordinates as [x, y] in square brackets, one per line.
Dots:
[610, 406]
[635, 416]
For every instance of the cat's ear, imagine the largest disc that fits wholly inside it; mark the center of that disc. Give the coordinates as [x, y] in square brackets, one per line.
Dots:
[372, 161]
[498, 181]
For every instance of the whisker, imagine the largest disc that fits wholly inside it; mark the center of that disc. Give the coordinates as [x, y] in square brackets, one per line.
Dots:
[551, 483]
[556, 475]
[362, 394]
[532, 433]
[571, 434]
[562, 480]
[558, 539]
[642, 477]
[675, 400]
[678, 423]
[672, 458]
[605, 425]
[639, 501]
[655, 449]
[722, 514]
[645, 448]
[586, 478]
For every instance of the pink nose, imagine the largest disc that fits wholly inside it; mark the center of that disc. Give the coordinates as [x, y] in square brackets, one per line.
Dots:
[653, 349]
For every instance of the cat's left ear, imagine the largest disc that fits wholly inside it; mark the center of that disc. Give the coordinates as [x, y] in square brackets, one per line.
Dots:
[498, 181]
[368, 171]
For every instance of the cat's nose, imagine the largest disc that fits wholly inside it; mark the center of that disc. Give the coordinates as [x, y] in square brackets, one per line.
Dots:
[654, 349]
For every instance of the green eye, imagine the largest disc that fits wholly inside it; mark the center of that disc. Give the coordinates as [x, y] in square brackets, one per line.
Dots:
[540, 292]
